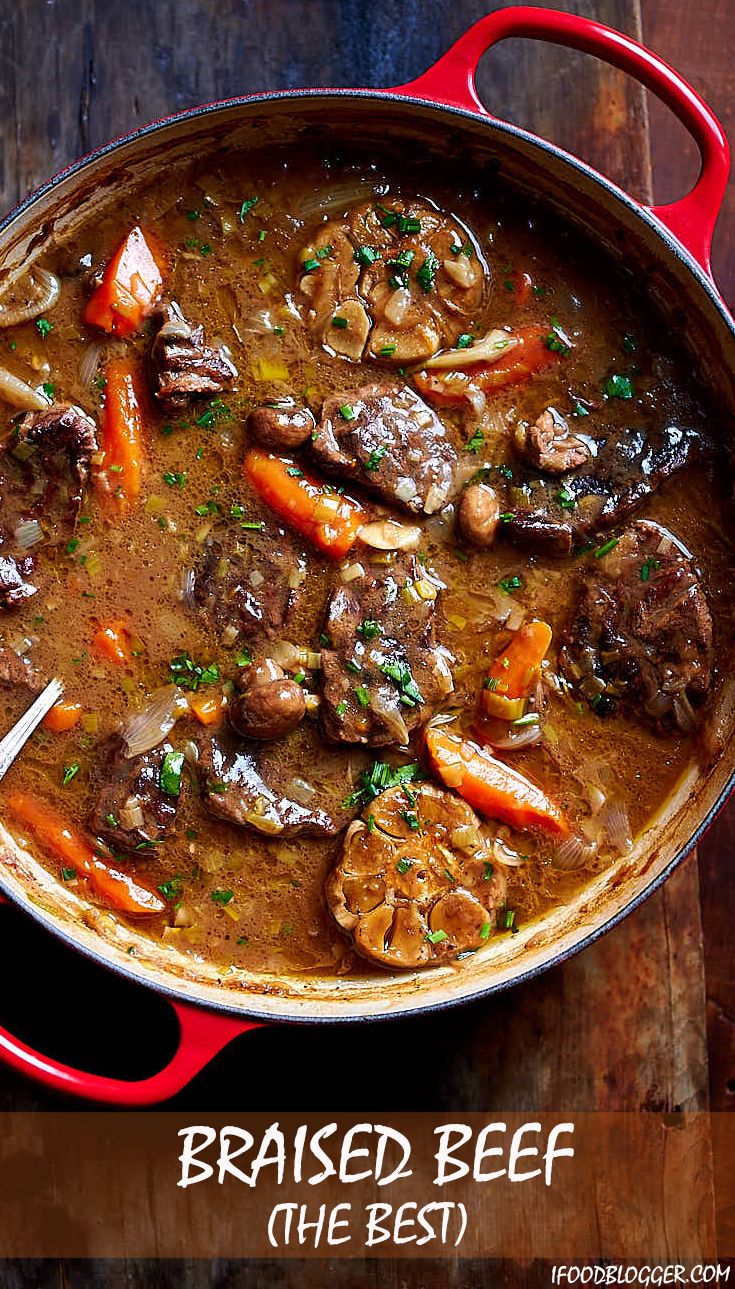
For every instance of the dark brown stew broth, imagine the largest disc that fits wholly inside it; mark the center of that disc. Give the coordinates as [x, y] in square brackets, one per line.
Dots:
[236, 276]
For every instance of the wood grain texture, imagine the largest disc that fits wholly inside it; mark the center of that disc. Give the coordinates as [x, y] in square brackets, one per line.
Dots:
[619, 1027]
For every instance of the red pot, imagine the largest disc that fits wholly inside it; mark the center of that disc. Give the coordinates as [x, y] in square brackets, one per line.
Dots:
[672, 242]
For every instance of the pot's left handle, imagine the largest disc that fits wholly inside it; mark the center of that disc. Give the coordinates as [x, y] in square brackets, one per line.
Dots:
[202, 1035]
[452, 81]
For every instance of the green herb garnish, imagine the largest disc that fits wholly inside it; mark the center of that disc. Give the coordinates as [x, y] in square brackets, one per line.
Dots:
[169, 778]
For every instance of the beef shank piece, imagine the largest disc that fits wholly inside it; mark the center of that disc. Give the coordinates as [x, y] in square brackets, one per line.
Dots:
[245, 785]
[246, 582]
[641, 635]
[132, 812]
[183, 367]
[46, 438]
[393, 281]
[416, 883]
[16, 670]
[388, 439]
[550, 445]
[630, 465]
[382, 671]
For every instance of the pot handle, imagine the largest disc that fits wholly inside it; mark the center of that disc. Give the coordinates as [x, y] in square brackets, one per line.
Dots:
[202, 1034]
[451, 81]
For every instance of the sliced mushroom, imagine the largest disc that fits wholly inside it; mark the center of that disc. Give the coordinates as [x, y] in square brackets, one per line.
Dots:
[403, 889]
[348, 329]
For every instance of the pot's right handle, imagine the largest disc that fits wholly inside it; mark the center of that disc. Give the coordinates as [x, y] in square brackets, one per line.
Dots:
[452, 80]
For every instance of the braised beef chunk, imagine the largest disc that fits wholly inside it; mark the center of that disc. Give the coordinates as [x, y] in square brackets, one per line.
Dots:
[246, 786]
[183, 367]
[15, 670]
[64, 431]
[382, 671]
[630, 465]
[387, 439]
[14, 587]
[246, 581]
[550, 445]
[641, 635]
[281, 426]
[132, 811]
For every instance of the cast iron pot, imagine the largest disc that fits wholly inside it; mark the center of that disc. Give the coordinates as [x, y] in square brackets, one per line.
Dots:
[669, 246]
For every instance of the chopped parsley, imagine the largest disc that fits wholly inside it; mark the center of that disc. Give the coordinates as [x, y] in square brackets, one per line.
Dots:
[509, 584]
[246, 207]
[427, 273]
[171, 889]
[340, 708]
[340, 323]
[566, 498]
[436, 937]
[206, 508]
[243, 658]
[346, 412]
[557, 340]
[630, 344]
[222, 897]
[70, 771]
[648, 566]
[386, 351]
[618, 386]
[309, 266]
[476, 442]
[362, 693]
[403, 260]
[465, 340]
[294, 472]
[368, 629]
[366, 255]
[490, 682]
[485, 931]
[606, 547]
[488, 871]
[408, 224]
[379, 778]
[375, 458]
[216, 412]
[403, 865]
[68, 874]
[188, 674]
[175, 478]
[400, 673]
[43, 327]
[72, 545]
[410, 818]
[170, 774]
[531, 718]
[48, 389]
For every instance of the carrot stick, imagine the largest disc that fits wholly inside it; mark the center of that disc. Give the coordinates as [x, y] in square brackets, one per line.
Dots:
[492, 787]
[115, 887]
[63, 716]
[119, 476]
[131, 284]
[512, 675]
[316, 510]
[112, 642]
[523, 359]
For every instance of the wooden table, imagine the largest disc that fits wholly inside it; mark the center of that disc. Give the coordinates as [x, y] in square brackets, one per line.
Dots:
[621, 1026]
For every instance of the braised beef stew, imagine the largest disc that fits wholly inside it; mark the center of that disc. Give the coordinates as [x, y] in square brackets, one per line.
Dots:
[380, 538]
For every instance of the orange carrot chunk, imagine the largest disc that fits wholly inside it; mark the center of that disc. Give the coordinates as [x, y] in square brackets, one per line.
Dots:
[108, 883]
[131, 285]
[316, 510]
[118, 478]
[453, 388]
[208, 707]
[112, 643]
[63, 716]
[514, 672]
[492, 787]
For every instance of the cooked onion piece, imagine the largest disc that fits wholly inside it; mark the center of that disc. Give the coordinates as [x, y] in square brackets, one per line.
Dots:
[24, 298]
[149, 727]
[19, 393]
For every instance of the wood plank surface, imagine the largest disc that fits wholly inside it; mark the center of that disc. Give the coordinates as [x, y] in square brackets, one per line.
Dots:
[621, 1026]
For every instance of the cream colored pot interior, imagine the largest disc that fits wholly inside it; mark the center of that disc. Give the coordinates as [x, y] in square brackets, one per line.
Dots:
[686, 307]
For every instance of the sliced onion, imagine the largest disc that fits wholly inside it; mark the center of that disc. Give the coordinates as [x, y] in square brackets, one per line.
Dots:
[18, 393]
[487, 350]
[89, 363]
[406, 490]
[337, 197]
[684, 713]
[391, 717]
[302, 791]
[505, 855]
[389, 535]
[616, 823]
[28, 297]
[506, 737]
[28, 533]
[149, 727]
[349, 572]
[574, 853]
